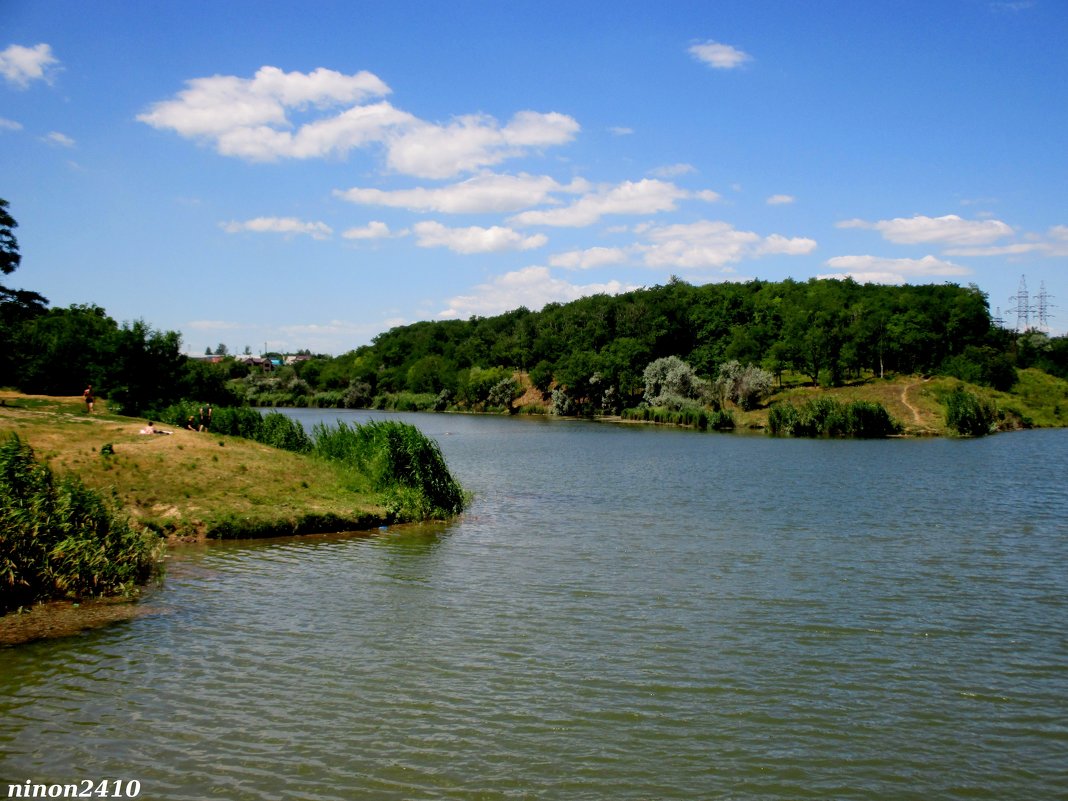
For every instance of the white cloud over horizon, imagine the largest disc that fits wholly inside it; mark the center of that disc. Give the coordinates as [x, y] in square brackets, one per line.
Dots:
[21, 65]
[373, 230]
[474, 239]
[880, 270]
[647, 196]
[949, 229]
[719, 56]
[483, 193]
[713, 244]
[532, 287]
[252, 119]
[279, 225]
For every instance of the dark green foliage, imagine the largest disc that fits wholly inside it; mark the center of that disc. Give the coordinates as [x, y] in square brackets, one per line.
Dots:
[824, 417]
[984, 366]
[403, 464]
[701, 419]
[59, 539]
[968, 414]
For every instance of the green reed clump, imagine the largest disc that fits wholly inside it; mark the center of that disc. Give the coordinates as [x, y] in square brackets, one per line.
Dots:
[968, 414]
[59, 539]
[274, 428]
[403, 464]
[824, 417]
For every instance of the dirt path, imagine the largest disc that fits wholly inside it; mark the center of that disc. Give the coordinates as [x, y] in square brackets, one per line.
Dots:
[905, 400]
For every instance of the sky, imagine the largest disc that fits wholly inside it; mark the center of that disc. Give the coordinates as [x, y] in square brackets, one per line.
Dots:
[286, 176]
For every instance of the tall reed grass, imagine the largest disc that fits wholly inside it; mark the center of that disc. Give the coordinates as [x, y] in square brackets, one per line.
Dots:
[404, 465]
[59, 539]
[824, 417]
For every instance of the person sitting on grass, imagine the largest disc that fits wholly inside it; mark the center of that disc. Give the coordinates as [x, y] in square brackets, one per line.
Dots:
[151, 429]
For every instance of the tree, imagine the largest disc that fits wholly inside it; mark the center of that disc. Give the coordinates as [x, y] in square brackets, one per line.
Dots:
[746, 386]
[671, 382]
[9, 246]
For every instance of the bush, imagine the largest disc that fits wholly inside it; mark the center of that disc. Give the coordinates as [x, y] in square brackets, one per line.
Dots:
[59, 539]
[968, 414]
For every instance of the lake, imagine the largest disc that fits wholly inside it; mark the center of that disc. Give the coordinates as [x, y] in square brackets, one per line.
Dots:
[625, 612]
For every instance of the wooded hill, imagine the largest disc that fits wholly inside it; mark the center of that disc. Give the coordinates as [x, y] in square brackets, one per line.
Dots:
[596, 349]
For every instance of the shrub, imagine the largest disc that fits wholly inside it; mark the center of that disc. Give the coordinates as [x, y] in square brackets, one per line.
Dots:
[59, 539]
[968, 414]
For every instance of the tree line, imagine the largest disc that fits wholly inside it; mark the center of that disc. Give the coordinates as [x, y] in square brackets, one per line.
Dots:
[590, 355]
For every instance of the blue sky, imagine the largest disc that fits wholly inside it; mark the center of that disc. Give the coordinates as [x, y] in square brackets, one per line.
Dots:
[308, 175]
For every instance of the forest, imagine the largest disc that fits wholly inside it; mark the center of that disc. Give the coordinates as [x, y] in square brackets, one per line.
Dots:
[597, 355]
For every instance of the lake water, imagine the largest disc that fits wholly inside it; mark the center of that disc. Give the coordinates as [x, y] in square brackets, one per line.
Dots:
[624, 613]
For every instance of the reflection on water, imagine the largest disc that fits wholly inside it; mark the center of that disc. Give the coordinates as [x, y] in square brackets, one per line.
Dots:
[624, 613]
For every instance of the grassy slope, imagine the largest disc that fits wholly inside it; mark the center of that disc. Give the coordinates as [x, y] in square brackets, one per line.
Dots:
[189, 483]
[1038, 399]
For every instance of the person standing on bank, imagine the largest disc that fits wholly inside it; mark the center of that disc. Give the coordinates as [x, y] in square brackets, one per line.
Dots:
[88, 396]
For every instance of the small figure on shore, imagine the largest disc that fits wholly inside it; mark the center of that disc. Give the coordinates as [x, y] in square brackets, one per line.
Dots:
[88, 396]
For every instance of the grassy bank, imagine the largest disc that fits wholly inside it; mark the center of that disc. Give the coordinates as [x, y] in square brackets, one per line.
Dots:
[193, 485]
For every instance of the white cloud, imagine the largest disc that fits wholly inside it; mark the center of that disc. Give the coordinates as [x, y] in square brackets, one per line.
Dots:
[20, 65]
[619, 130]
[673, 170]
[474, 141]
[532, 287]
[710, 244]
[719, 56]
[279, 225]
[252, 119]
[487, 192]
[474, 239]
[589, 258]
[9, 125]
[947, 230]
[780, 200]
[878, 270]
[373, 230]
[213, 325]
[647, 196]
[61, 140]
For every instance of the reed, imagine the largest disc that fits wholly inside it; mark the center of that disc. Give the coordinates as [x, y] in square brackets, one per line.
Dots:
[406, 467]
[59, 539]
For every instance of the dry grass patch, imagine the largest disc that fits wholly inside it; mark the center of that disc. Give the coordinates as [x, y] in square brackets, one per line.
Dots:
[190, 484]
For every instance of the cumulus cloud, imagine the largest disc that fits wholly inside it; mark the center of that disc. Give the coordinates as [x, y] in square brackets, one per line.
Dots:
[474, 141]
[474, 239]
[279, 225]
[947, 230]
[373, 230]
[253, 119]
[487, 192]
[780, 200]
[878, 270]
[712, 244]
[589, 258]
[532, 287]
[719, 56]
[20, 65]
[58, 139]
[647, 196]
